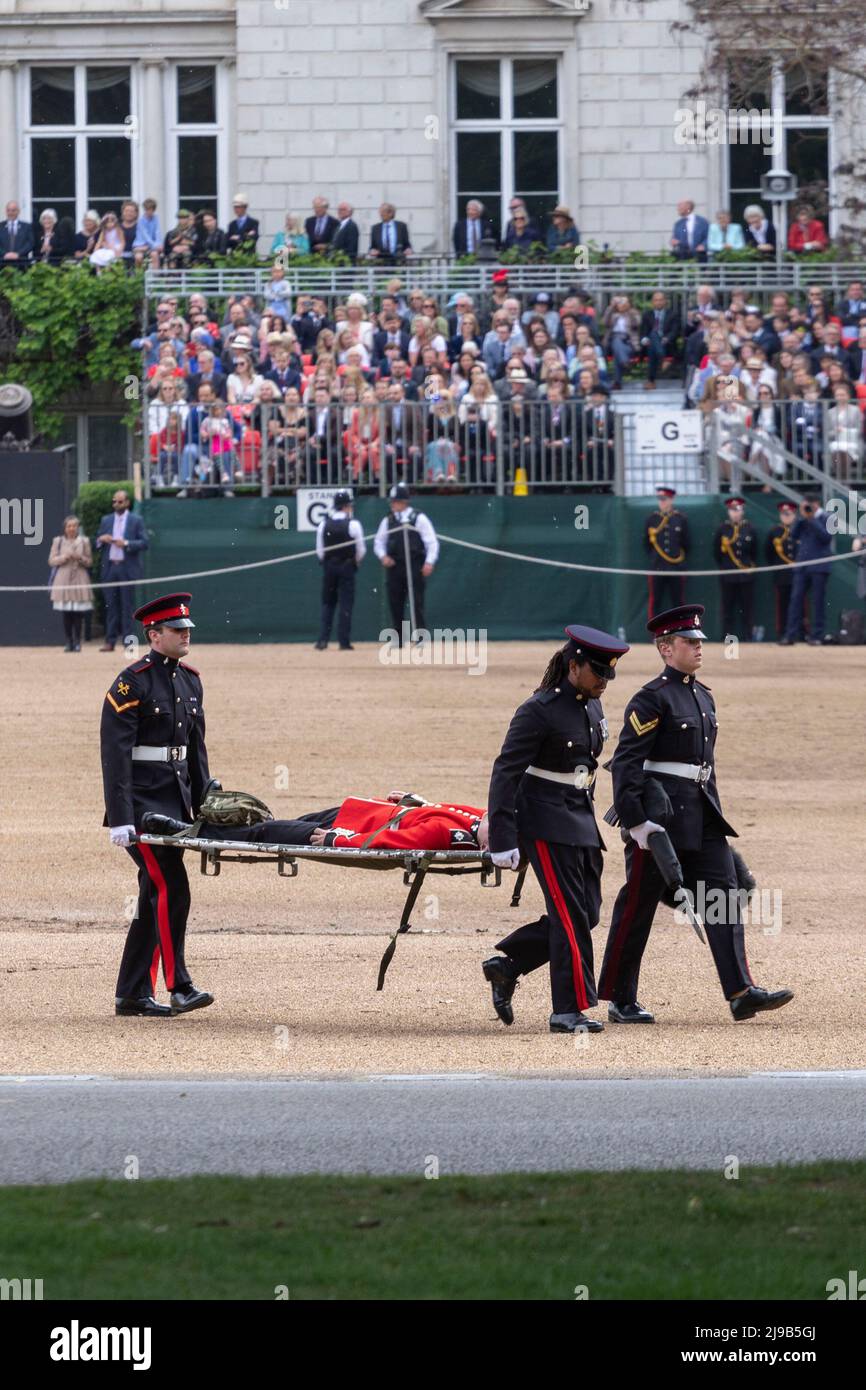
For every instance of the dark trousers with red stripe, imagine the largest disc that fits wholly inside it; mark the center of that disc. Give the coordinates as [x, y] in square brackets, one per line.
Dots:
[665, 591]
[635, 908]
[159, 925]
[570, 880]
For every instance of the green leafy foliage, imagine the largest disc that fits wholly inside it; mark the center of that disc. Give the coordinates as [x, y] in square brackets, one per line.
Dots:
[73, 329]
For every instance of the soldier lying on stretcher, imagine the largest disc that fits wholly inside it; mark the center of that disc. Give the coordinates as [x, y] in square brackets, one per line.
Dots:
[403, 821]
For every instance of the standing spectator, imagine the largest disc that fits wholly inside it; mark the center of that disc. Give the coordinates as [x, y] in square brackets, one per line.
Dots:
[528, 228]
[122, 538]
[767, 439]
[320, 228]
[278, 294]
[736, 548]
[219, 440]
[389, 239]
[658, 334]
[724, 235]
[325, 437]
[779, 550]
[147, 244]
[243, 231]
[407, 547]
[844, 434]
[292, 239]
[363, 437]
[562, 232]
[71, 594]
[622, 323]
[129, 227]
[85, 240]
[857, 358]
[760, 232]
[807, 425]
[181, 241]
[16, 237]
[598, 428]
[558, 431]
[813, 540]
[347, 237]
[167, 423]
[806, 233]
[478, 416]
[690, 233]
[470, 231]
[340, 548]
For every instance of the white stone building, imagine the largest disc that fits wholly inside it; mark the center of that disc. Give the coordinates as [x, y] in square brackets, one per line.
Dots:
[418, 102]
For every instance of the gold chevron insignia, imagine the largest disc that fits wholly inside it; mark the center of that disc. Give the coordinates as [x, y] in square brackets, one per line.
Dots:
[640, 728]
[122, 688]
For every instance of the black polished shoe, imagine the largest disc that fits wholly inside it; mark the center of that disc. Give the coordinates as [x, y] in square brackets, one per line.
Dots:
[629, 1013]
[574, 1023]
[498, 971]
[346, 647]
[141, 1008]
[756, 1001]
[320, 647]
[152, 823]
[193, 999]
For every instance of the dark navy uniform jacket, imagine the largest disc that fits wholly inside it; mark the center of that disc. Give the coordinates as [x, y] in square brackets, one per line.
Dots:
[667, 539]
[557, 730]
[735, 545]
[671, 719]
[157, 702]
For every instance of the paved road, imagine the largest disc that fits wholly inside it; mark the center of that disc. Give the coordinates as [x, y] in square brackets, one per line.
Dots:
[57, 1129]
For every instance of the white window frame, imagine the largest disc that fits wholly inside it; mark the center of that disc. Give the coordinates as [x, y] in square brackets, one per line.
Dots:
[79, 131]
[506, 125]
[174, 130]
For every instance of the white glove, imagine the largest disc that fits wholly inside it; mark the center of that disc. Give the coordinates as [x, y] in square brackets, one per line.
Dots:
[120, 834]
[641, 833]
[506, 859]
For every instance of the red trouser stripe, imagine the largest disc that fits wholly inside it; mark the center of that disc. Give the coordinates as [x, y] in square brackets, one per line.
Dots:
[154, 969]
[162, 918]
[625, 920]
[559, 903]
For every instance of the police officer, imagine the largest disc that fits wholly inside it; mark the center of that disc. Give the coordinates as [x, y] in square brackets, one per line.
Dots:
[667, 540]
[407, 546]
[669, 735]
[735, 545]
[340, 548]
[154, 759]
[540, 808]
[779, 550]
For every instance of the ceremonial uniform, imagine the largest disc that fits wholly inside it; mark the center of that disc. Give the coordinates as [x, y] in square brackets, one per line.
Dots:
[667, 540]
[154, 759]
[779, 550]
[406, 537]
[669, 734]
[340, 548]
[541, 800]
[736, 550]
[368, 823]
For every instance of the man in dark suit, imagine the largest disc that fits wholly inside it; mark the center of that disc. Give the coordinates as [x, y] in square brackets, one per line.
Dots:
[346, 236]
[857, 357]
[831, 347]
[282, 373]
[207, 374]
[392, 331]
[389, 239]
[690, 232]
[852, 309]
[121, 539]
[812, 540]
[16, 237]
[243, 231]
[320, 228]
[658, 334]
[470, 230]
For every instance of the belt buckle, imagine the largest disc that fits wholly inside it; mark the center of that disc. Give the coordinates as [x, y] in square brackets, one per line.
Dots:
[704, 774]
[174, 754]
[582, 778]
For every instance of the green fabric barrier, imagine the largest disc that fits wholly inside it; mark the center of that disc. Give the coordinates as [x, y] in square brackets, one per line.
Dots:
[512, 600]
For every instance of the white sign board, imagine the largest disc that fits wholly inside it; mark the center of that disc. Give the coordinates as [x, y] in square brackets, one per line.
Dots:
[313, 503]
[667, 432]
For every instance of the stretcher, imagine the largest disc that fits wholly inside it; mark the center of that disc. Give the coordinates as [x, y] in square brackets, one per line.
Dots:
[415, 863]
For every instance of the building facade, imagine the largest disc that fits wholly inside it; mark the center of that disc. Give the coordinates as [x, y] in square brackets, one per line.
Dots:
[421, 103]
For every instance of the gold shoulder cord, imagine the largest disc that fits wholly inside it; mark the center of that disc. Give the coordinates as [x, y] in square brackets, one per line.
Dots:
[652, 532]
[728, 543]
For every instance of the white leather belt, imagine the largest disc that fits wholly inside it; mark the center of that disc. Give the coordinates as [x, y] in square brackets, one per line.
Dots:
[159, 755]
[581, 778]
[695, 772]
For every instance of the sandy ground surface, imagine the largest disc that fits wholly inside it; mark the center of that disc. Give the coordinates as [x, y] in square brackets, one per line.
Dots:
[293, 962]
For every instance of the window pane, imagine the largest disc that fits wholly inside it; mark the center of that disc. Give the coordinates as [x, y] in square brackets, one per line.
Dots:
[479, 163]
[52, 166]
[478, 91]
[808, 160]
[535, 95]
[805, 91]
[52, 96]
[108, 168]
[107, 448]
[750, 83]
[748, 163]
[536, 166]
[197, 171]
[107, 96]
[196, 96]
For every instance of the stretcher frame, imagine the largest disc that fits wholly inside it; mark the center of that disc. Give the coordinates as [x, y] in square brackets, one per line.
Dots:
[416, 865]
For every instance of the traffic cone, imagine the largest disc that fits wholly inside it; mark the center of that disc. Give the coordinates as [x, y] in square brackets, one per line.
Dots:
[521, 488]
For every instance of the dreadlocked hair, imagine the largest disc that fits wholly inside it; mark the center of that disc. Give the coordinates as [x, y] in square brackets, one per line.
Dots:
[556, 671]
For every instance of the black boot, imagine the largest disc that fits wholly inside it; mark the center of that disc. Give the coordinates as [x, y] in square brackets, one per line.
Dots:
[501, 972]
[152, 823]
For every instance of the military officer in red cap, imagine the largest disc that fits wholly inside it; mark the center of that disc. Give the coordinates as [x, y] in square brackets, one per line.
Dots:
[667, 540]
[665, 757]
[154, 759]
[736, 549]
[540, 808]
[780, 551]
